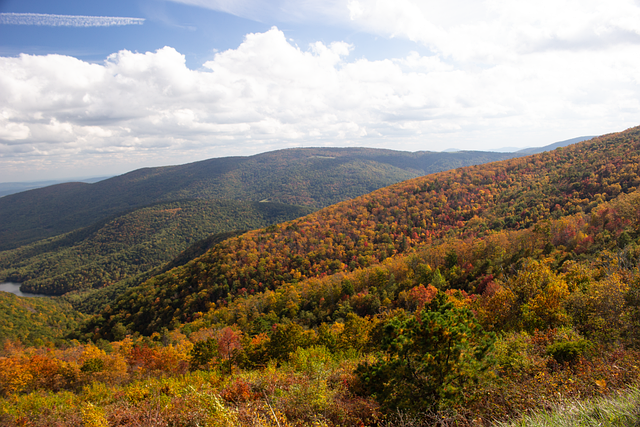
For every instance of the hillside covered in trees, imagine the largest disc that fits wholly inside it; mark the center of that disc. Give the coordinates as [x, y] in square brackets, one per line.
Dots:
[196, 200]
[313, 177]
[118, 229]
[466, 202]
[132, 244]
[461, 298]
[36, 321]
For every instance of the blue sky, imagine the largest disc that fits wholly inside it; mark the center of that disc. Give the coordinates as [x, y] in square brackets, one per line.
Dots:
[92, 88]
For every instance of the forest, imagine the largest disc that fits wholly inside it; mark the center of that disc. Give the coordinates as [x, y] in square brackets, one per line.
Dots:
[130, 245]
[312, 177]
[470, 297]
[465, 203]
[115, 232]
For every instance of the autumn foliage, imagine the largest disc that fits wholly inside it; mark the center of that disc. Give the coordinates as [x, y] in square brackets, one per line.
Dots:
[475, 294]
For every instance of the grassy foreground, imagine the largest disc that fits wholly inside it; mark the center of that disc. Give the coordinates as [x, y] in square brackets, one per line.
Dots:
[620, 410]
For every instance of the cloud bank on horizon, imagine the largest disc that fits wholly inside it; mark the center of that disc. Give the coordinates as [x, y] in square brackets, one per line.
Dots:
[496, 73]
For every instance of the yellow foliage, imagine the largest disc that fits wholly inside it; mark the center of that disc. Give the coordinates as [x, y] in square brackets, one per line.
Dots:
[534, 298]
[97, 365]
[123, 347]
[91, 352]
[496, 309]
[14, 376]
[599, 308]
[546, 308]
[93, 416]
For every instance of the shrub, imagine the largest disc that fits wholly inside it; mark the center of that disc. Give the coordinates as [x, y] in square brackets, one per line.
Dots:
[568, 351]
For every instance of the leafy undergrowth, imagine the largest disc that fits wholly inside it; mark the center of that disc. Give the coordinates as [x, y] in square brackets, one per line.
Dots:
[145, 382]
[312, 389]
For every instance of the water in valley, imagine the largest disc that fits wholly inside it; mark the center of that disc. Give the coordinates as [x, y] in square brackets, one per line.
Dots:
[14, 288]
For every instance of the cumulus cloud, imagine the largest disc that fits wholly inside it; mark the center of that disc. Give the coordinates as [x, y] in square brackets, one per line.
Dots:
[268, 93]
[66, 20]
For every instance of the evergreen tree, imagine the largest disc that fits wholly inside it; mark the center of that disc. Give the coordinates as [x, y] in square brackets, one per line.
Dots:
[429, 359]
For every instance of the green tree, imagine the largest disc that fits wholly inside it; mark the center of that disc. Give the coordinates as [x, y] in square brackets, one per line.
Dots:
[286, 338]
[203, 354]
[429, 359]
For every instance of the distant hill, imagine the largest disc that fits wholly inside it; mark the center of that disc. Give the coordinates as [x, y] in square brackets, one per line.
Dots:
[7, 188]
[314, 177]
[536, 150]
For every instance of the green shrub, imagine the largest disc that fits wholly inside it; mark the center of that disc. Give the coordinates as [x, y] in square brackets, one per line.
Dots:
[568, 351]
[94, 364]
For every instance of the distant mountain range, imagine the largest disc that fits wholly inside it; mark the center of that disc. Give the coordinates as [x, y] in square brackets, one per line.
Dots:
[536, 150]
[314, 177]
[7, 188]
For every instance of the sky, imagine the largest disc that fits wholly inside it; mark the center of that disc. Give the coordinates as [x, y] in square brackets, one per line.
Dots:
[99, 88]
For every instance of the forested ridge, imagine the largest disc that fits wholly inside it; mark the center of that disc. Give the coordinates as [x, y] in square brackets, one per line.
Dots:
[461, 298]
[117, 233]
[314, 177]
[198, 199]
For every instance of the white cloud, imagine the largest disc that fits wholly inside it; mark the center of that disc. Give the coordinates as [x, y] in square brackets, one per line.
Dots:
[266, 94]
[497, 30]
[465, 30]
[43, 19]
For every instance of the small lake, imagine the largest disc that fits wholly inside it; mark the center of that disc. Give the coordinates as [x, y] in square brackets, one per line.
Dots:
[14, 288]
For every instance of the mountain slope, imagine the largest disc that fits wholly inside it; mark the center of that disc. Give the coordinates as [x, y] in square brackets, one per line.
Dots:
[130, 244]
[490, 292]
[314, 177]
[471, 201]
[36, 321]
[7, 188]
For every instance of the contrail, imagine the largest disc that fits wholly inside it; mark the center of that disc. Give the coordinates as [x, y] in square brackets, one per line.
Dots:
[66, 20]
